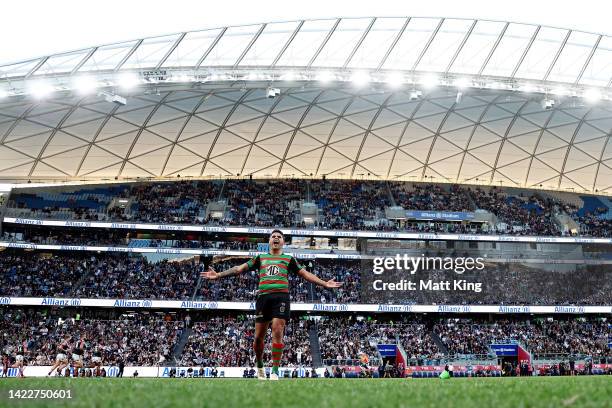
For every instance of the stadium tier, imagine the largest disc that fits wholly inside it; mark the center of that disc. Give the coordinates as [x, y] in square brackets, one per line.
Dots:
[120, 276]
[223, 340]
[331, 204]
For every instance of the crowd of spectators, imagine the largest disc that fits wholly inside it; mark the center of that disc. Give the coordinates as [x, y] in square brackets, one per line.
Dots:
[140, 339]
[263, 203]
[136, 278]
[25, 274]
[541, 337]
[346, 205]
[227, 341]
[96, 276]
[342, 338]
[348, 272]
[349, 338]
[595, 226]
[514, 282]
[431, 197]
[175, 202]
[133, 276]
[521, 215]
[147, 339]
[595, 223]
[350, 205]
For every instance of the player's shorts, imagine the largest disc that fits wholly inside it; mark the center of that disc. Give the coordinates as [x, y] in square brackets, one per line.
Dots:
[19, 357]
[273, 305]
[61, 358]
[76, 357]
[96, 359]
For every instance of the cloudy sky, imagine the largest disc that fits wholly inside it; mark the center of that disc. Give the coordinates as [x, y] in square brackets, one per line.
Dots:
[40, 27]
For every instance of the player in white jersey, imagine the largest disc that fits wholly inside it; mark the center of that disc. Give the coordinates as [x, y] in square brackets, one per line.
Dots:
[19, 361]
[61, 358]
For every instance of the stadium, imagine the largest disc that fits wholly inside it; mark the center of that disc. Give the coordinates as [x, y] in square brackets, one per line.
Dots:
[433, 194]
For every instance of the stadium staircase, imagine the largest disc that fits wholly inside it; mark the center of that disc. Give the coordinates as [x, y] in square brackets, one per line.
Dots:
[315, 346]
[390, 194]
[77, 285]
[438, 341]
[180, 345]
[197, 288]
[3, 203]
[471, 201]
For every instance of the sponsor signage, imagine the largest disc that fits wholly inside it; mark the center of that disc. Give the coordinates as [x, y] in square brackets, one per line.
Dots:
[301, 307]
[387, 350]
[174, 251]
[314, 232]
[505, 349]
[163, 372]
[440, 215]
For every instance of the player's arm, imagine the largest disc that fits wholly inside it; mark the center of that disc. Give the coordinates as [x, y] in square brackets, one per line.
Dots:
[234, 270]
[311, 277]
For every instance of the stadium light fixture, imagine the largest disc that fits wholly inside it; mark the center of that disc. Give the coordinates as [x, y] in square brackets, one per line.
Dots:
[360, 78]
[325, 76]
[253, 76]
[458, 97]
[272, 92]
[84, 84]
[430, 80]
[414, 95]
[127, 80]
[180, 78]
[394, 79]
[560, 91]
[288, 76]
[592, 95]
[40, 89]
[527, 88]
[113, 98]
[548, 103]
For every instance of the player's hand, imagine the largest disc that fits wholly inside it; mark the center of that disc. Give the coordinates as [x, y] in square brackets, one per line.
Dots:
[209, 274]
[332, 284]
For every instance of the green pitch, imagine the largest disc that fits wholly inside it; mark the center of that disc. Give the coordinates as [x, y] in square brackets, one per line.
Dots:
[555, 392]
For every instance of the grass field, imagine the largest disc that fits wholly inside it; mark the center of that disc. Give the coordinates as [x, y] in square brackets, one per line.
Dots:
[555, 392]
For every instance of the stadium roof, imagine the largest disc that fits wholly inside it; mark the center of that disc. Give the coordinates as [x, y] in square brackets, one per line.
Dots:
[418, 99]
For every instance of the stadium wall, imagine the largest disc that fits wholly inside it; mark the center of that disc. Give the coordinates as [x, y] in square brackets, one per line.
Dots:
[309, 232]
[301, 307]
[161, 372]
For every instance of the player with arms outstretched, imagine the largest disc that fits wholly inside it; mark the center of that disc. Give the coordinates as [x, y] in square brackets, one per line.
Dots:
[273, 303]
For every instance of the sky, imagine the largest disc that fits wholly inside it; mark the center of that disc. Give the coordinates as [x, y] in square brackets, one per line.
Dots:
[41, 27]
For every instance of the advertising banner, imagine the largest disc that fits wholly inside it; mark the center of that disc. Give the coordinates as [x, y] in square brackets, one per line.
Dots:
[306, 232]
[440, 215]
[299, 307]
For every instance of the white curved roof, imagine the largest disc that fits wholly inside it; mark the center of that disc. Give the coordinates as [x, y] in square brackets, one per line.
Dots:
[199, 106]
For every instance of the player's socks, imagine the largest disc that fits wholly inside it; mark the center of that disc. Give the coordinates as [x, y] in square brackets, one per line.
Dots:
[258, 347]
[261, 374]
[277, 352]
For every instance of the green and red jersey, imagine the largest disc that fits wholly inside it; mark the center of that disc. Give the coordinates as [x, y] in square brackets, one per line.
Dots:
[274, 272]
